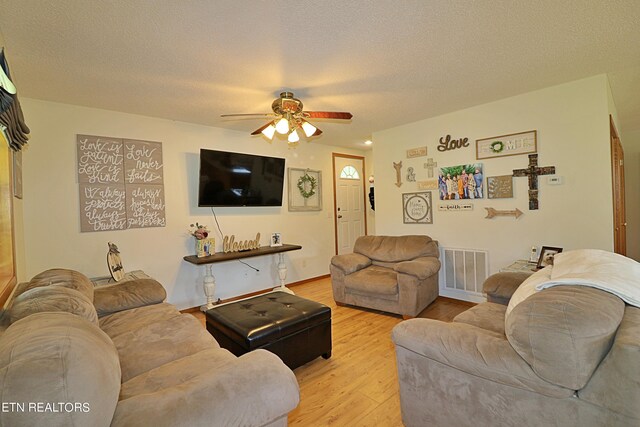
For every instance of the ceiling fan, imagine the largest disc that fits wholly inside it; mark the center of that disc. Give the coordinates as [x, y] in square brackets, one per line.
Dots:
[288, 117]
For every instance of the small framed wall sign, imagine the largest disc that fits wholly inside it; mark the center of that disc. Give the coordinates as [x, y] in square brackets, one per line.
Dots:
[507, 145]
[417, 208]
[455, 207]
[500, 187]
[416, 152]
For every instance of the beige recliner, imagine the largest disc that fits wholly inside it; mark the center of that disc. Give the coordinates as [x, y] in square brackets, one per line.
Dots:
[397, 274]
[565, 356]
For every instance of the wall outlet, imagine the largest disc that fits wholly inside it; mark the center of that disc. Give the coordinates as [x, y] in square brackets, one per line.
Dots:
[554, 180]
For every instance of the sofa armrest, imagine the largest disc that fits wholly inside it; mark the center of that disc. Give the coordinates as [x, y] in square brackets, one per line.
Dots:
[350, 263]
[421, 268]
[473, 351]
[125, 296]
[254, 390]
[500, 287]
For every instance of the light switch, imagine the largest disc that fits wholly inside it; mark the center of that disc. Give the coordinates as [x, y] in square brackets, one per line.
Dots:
[554, 180]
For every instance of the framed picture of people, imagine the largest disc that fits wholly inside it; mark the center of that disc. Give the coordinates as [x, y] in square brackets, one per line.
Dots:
[461, 182]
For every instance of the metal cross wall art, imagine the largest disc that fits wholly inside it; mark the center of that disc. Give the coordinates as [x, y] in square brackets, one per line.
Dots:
[532, 172]
[429, 167]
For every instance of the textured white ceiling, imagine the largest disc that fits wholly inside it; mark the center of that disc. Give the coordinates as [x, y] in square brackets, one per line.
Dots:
[387, 62]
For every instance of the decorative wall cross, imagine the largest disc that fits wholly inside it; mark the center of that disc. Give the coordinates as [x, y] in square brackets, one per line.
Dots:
[398, 168]
[429, 167]
[532, 173]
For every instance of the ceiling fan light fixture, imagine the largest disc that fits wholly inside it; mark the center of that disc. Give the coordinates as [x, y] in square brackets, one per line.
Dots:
[308, 129]
[282, 126]
[269, 131]
[293, 136]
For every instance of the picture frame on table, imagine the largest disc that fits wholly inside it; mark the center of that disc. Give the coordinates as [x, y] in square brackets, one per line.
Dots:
[546, 256]
[276, 239]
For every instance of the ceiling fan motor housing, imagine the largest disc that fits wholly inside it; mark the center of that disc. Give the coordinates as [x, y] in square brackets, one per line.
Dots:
[287, 104]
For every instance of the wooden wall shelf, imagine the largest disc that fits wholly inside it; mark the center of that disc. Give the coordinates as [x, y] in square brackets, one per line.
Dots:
[230, 256]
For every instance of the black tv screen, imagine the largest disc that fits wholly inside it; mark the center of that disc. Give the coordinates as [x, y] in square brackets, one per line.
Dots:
[235, 179]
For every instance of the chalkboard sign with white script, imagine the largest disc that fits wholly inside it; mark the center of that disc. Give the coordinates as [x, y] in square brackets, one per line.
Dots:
[100, 160]
[102, 207]
[145, 206]
[143, 162]
[121, 183]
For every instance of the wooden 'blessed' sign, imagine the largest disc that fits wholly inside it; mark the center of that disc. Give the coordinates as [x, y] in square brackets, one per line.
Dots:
[121, 183]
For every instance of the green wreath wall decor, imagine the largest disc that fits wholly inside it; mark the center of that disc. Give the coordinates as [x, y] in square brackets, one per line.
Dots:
[497, 146]
[302, 181]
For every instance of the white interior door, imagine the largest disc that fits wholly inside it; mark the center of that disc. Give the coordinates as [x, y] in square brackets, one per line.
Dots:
[349, 196]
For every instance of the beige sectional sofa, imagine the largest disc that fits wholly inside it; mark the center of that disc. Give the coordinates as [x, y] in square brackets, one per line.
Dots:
[565, 356]
[118, 355]
[397, 274]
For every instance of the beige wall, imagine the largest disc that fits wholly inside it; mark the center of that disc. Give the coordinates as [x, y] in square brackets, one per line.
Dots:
[631, 145]
[573, 135]
[51, 219]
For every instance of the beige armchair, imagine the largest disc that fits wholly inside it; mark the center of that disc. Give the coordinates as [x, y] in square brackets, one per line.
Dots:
[565, 356]
[397, 274]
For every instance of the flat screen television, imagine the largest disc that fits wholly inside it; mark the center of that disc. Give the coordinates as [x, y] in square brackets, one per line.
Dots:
[235, 179]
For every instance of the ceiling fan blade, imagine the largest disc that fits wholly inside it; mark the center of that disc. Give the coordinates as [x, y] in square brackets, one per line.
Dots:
[261, 128]
[328, 115]
[317, 132]
[249, 114]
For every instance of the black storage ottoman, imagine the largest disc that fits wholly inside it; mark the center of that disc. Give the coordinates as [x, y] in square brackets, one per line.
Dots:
[296, 329]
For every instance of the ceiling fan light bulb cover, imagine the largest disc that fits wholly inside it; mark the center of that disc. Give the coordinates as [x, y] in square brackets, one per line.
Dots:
[282, 126]
[293, 137]
[308, 129]
[269, 131]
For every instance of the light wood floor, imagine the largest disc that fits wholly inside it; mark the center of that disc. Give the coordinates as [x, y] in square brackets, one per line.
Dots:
[358, 385]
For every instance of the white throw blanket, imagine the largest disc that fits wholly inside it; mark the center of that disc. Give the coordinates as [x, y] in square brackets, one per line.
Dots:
[604, 270]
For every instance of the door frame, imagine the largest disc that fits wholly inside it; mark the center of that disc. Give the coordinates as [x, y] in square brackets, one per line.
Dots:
[618, 192]
[335, 201]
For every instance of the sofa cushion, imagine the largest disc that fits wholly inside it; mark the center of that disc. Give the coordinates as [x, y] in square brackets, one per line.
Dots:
[616, 383]
[58, 359]
[488, 315]
[52, 298]
[124, 321]
[349, 263]
[374, 280]
[421, 268]
[565, 332]
[110, 299]
[500, 287]
[144, 348]
[60, 277]
[395, 248]
[177, 372]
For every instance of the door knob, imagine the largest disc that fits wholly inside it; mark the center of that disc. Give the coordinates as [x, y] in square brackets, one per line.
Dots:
[339, 216]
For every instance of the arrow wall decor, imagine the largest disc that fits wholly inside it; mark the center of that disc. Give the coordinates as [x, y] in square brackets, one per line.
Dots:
[491, 212]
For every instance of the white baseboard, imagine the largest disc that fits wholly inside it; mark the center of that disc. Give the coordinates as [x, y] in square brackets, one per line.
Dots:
[462, 295]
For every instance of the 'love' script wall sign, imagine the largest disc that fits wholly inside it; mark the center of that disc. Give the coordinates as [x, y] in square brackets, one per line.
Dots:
[120, 182]
[446, 143]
